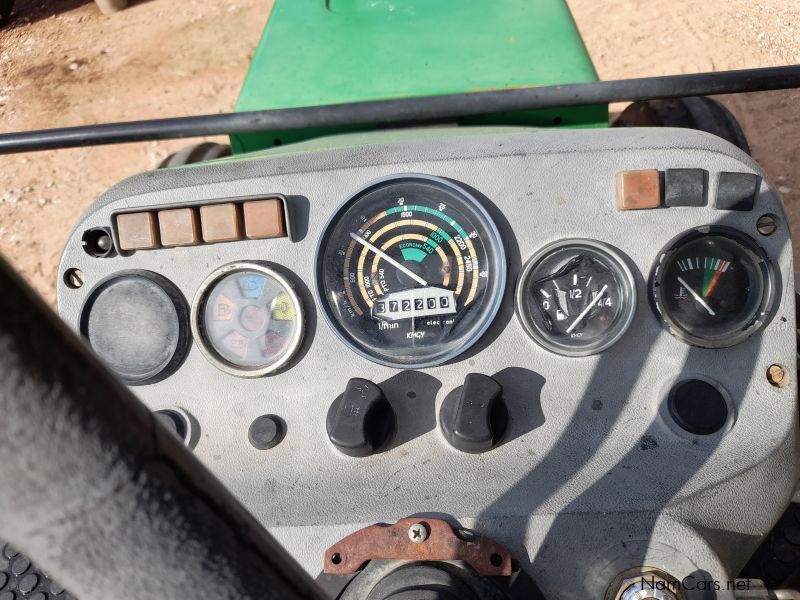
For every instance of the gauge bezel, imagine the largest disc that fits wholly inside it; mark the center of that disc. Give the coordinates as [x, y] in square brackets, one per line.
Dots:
[182, 313]
[628, 297]
[205, 346]
[761, 261]
[496, 291]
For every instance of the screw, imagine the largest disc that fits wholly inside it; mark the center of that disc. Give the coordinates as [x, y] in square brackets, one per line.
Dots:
[766, 224]
[73, 278]
[776, 375]
[417, 533]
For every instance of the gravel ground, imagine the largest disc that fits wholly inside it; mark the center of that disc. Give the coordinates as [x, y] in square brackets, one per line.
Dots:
[62, 63]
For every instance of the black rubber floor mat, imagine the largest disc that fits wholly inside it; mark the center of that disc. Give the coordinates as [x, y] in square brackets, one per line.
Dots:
[20, 579]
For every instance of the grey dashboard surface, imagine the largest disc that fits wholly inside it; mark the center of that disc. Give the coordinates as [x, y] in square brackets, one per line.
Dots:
[592, 476]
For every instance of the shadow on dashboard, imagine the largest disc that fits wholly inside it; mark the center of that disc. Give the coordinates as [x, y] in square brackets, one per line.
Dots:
[307, 299]
[642, 481]
[513, 265]
[298, 208]
[412, 395]
[522, 389]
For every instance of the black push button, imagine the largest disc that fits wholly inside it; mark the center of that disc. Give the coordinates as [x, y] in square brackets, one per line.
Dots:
[737, 191]
[474, 416]
[361, 420]
[698, 407]
[685, 187]
[266, 431]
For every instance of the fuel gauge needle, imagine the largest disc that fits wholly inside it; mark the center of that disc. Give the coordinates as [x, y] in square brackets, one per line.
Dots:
[586, 310]
[697, 297]
[388, 259]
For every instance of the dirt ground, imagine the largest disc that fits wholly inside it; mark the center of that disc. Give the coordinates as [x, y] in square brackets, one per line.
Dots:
[62, 63]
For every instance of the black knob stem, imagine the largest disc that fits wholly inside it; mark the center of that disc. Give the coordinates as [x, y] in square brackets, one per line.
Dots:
[360, 421]
[474, 416]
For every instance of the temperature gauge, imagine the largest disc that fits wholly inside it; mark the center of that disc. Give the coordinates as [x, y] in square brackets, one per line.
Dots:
[713, 287]
[576, 297]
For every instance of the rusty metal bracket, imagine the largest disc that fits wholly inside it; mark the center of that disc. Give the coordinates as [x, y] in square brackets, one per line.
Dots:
[394, 542]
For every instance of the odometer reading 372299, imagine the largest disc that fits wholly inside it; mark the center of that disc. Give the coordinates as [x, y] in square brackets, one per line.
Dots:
[410, 271]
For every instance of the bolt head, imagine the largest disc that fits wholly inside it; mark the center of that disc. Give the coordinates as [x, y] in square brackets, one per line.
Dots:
[776, 375]
[417, 533]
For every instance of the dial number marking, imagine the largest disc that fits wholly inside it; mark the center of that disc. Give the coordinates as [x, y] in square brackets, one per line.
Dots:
[587, 309]
[389, 259]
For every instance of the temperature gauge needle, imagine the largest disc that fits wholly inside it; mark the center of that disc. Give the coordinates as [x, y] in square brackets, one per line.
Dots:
[388, 259]
[586, 310]
[697, 297]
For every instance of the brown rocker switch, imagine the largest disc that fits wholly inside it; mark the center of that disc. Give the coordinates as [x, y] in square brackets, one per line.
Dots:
[637, 190]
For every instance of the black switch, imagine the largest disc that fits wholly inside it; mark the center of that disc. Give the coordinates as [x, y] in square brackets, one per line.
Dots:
[737, 191]
[474, 416]
[685, 187]
[361, 420]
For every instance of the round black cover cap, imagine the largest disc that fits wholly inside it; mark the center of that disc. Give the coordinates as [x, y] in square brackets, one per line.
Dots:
[698, 407]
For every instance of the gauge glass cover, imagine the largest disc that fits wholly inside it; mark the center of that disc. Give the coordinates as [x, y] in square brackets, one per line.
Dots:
[248, 319]
[713, 287]
[410, 271]
[576, 297]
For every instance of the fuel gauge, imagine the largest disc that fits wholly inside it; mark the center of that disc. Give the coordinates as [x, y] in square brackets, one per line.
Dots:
[576, 297]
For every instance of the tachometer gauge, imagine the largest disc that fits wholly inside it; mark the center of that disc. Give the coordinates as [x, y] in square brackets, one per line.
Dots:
[713, 287]
[410, 271]
[576, 297]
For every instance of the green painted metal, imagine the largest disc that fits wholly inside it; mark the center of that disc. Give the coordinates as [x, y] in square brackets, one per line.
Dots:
[358, 139]
[316, 52]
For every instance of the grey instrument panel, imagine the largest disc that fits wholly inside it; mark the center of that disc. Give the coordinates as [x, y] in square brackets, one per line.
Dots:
[592, 477]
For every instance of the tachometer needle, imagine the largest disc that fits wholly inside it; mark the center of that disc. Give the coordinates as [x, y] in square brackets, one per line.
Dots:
[586, 310]
[697, 297]
[388, 259]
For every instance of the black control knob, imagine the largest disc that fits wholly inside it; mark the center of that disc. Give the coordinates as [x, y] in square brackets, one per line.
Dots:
[474, 416]
[361, 420]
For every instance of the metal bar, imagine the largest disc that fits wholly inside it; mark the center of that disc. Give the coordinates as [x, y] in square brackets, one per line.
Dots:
[408, 110]
[100, 494]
